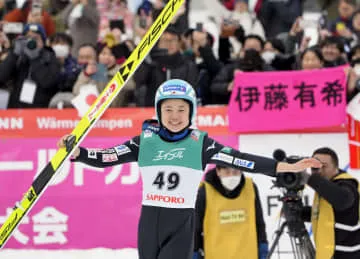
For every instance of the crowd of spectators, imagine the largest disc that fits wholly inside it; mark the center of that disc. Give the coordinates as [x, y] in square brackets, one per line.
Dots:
[50, 49]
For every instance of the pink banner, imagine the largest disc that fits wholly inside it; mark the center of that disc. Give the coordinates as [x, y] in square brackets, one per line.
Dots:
[85, 207]
[273, 101]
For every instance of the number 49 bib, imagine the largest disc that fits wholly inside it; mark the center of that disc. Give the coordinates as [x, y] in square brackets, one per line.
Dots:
[171, 171]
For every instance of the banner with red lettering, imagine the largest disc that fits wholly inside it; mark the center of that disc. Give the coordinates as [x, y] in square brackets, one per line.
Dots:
[273, 101]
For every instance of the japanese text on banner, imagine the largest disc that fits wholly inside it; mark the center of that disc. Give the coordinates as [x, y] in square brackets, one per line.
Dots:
[271, 101]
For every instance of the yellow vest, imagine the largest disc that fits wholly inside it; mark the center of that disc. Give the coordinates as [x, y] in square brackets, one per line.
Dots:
[323, 224]
[230, 224]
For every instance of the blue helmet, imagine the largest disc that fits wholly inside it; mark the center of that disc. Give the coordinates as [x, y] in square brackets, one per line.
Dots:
[176, 89]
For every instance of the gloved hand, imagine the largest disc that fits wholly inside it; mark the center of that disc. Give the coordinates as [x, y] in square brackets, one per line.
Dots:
[70, 142]
[263, 250]
[196, 255]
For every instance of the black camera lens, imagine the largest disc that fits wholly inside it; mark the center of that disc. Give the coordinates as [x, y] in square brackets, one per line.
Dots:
[31, 44]
[289, 178]
[289, 181]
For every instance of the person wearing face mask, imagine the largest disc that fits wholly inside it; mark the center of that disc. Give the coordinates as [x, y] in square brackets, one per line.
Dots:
[61, 43]
[334, 213]
[275, 56]
[34, 69]
[228, 208]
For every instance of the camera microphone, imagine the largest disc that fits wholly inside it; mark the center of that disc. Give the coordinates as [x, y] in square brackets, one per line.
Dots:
[279, 155]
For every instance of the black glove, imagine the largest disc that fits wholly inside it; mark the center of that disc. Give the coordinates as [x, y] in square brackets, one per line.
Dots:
[70, 142]
[240, 34]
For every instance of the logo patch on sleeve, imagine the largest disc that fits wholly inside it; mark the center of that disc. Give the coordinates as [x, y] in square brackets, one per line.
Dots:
[122, 149]
[244, 163]
[92, 153]
[107, 158]
[226, 150]
[223, 157]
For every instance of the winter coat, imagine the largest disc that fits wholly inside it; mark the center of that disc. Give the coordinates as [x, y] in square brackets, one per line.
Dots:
[84, 29]
[220, 84]
[43, 70]
[278, 16]
[152, 74]
[69, 74]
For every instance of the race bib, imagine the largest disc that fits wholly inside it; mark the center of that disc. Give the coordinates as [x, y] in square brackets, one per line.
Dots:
[170, 186]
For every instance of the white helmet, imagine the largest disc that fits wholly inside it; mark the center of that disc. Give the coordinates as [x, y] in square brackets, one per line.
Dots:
[176, 89]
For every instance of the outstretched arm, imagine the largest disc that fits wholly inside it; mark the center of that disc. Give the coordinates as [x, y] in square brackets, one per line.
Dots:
[127, 152]
[215, 153]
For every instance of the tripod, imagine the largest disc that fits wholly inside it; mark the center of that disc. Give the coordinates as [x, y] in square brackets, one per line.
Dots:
[300, 240]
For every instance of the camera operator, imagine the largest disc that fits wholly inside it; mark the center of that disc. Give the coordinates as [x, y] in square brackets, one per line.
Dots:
[335, 210]
[33, 69]
[228, 206]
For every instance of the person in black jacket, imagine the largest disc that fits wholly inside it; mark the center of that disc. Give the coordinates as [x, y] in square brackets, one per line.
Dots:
[335, 211]
[199, 49]
[167, 62]
[62, 43]
[250, 61]
[278, 16]
[33, 68]
[228, 206]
